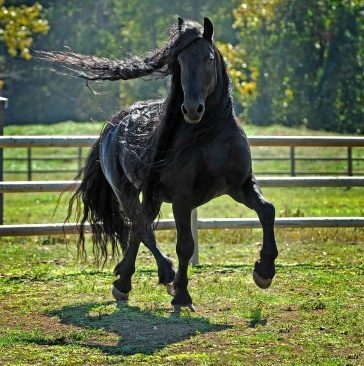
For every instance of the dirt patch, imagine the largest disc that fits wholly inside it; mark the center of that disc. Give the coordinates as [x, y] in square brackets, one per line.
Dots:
[29, 322]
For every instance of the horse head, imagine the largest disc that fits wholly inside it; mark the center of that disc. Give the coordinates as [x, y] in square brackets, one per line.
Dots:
[198, 73]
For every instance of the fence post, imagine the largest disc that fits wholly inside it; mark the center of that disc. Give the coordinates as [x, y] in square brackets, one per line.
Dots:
[293, 162]
[29, 163]
[194, 228]
[79, 159]
[3, 105]
[350, 161]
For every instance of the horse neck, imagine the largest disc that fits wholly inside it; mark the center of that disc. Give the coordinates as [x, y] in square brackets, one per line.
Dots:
[219, 106]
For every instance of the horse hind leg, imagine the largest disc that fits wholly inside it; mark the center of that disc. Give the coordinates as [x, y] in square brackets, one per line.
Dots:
[126, 267]
[125, 270]
[251, 196]
[141, 218]
[140, 231]
[166, 271]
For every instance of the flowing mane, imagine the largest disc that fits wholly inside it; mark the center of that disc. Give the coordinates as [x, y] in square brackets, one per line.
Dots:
[158, 62]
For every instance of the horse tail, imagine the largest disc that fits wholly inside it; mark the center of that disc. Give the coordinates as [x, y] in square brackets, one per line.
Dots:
[94, 202]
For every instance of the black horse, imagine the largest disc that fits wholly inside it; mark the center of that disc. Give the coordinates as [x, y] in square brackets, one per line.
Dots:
[186, 149]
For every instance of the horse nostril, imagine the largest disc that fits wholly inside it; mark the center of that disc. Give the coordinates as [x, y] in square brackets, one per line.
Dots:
[200, 108]
[184, 110]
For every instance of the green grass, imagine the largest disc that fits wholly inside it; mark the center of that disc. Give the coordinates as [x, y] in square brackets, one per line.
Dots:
[40, 207]
[58, 311]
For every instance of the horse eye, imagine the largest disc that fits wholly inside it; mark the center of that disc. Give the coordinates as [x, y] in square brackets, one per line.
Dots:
[211, 58]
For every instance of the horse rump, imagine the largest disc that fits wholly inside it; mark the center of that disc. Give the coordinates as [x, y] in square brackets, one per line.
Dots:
[94, 202]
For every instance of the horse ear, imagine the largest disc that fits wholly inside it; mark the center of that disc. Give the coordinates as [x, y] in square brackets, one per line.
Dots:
[208, 29]
[180, 23]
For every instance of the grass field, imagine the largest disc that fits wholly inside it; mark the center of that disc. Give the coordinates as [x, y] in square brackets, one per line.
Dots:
[57, 311]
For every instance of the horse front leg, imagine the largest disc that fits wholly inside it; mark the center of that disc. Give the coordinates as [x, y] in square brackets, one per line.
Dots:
[250, 195]
[184, 249]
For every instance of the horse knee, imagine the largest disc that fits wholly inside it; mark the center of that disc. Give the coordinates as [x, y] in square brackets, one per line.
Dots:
[266, 213]
[185, 249]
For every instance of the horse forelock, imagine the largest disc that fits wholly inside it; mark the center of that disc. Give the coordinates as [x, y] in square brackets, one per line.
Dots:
[179, 39]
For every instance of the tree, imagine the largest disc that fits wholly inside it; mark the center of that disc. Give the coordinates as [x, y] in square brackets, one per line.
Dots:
[307, 60]
[18, 25]
[41, 95]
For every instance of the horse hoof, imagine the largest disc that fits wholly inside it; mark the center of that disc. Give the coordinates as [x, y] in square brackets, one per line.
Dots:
[118, 295]
[260, 281]
[177, 308]
[170, 288]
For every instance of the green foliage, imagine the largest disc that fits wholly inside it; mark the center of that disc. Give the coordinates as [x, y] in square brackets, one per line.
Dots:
[309, 58]
[18, 24]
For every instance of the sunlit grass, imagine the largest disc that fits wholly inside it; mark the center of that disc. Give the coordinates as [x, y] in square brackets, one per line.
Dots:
[58, 311]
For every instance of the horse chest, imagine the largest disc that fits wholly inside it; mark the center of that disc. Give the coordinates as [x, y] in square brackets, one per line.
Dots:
[201, 176]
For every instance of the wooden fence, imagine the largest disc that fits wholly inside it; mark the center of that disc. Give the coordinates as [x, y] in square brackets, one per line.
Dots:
[292, 158]
[218, 223]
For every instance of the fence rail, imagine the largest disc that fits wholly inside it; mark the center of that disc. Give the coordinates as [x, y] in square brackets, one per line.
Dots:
[293, 171]
[58, 186]
[292, 142]
[86, 141]
[47, 141]
[204, 224]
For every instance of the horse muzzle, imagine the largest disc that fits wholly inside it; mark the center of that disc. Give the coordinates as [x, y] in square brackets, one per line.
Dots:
[192, 112]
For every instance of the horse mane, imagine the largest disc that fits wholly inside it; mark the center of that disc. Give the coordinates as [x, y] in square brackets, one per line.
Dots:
[155, 63]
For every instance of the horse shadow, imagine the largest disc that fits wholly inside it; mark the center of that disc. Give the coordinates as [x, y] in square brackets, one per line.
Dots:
[138, 330]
